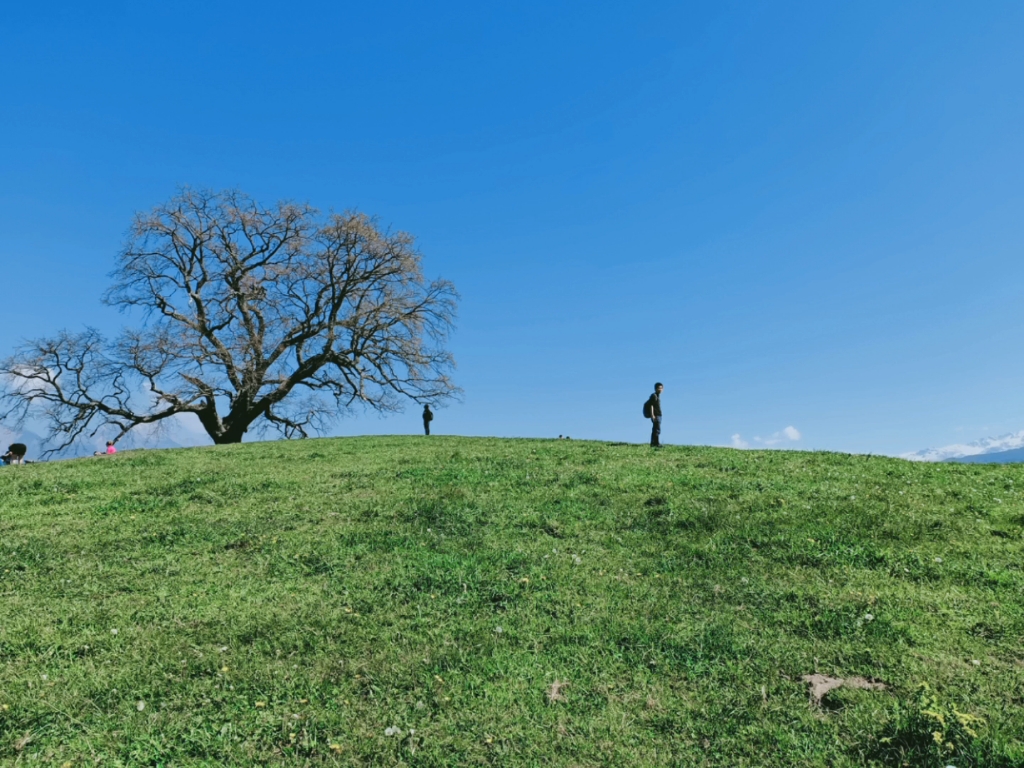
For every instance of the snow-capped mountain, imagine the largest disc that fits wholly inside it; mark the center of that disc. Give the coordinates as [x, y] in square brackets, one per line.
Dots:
[1016, 456]
[981, 447]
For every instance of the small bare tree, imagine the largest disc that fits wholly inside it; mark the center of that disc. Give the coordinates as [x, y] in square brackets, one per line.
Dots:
[268, 317]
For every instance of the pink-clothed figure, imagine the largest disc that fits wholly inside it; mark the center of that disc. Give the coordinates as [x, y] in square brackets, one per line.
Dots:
[111, 448]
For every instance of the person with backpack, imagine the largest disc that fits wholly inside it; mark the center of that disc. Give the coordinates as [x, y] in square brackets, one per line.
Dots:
[652, 411]
[428, 416]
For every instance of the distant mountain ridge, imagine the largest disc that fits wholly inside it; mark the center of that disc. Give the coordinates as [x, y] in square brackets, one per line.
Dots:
[989, 450]
[1000, 457]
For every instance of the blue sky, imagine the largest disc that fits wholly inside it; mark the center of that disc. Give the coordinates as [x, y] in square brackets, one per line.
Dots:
[801, 215]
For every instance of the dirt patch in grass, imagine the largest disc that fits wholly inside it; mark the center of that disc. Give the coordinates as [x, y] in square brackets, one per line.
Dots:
[820, 685]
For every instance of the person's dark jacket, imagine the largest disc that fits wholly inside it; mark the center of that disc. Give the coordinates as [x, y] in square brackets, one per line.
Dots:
[654, 401]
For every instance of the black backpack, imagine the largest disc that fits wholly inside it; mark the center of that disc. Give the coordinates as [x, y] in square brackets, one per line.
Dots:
[648, 408]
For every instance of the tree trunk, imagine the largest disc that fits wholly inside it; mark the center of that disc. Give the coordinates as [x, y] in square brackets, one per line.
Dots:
[227, 431]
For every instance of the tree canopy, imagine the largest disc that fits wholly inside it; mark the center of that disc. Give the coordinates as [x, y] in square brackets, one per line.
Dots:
[265, 317]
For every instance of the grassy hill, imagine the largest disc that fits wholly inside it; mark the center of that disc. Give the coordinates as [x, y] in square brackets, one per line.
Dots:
[448, 601]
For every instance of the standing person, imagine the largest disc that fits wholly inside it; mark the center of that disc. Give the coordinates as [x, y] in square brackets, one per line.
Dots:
[652, 410]
[428, 416]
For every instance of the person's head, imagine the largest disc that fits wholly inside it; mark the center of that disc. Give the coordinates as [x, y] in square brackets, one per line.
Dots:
[109, 443]
[658, 386]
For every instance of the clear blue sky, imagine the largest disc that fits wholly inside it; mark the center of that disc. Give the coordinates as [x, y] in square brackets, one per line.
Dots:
[801, 215]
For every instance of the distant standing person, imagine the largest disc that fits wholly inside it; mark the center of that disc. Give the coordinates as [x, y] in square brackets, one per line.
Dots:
[652, 410]
[428, 416]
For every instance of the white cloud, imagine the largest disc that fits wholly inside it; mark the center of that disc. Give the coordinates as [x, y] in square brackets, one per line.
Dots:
[189, 424]
[181, 430]
[1007, 442]
[789, 434]
[20, 380]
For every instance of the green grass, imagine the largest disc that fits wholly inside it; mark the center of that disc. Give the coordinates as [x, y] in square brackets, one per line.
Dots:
[286, 603]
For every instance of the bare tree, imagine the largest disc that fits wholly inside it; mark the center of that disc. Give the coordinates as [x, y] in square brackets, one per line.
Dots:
[266, 317]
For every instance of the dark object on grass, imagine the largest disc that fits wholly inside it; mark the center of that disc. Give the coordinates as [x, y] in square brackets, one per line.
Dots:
[15, 454]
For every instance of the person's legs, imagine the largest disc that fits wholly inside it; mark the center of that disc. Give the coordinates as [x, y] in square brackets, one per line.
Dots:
[426, 427]
[656, 432]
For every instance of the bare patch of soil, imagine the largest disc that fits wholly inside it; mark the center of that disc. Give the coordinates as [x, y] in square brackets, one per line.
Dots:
[555, 691]
[822, 684]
